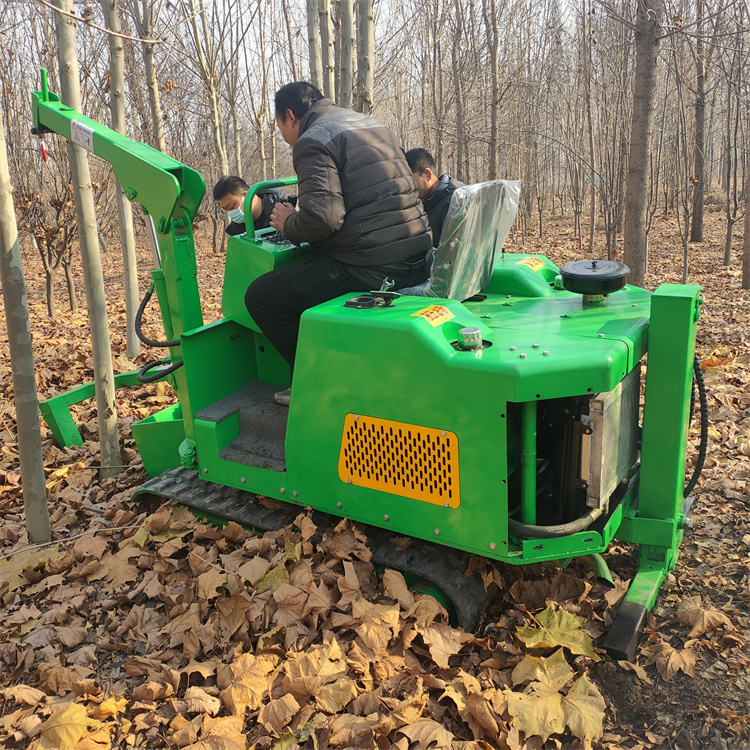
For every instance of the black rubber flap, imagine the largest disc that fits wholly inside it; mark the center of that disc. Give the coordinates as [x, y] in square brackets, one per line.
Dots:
[594, 276]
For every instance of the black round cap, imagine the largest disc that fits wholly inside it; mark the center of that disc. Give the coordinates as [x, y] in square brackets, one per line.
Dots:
[594, 276]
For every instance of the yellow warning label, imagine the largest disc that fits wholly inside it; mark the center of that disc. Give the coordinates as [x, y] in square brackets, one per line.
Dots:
[535, 264]
[435, 315]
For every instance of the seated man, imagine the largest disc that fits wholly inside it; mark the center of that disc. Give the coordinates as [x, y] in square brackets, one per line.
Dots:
[434, 191]
[357, 206]
[229, 193]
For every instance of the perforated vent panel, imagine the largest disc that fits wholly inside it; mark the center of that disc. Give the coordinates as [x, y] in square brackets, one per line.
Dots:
[400, 458]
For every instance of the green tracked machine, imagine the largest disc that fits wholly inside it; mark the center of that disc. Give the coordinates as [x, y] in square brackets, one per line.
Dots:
[502, 421]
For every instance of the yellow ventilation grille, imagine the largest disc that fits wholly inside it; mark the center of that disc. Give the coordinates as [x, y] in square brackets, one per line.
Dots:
[400, 458]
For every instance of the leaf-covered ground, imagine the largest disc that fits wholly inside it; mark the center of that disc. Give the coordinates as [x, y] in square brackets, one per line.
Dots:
[141, 626]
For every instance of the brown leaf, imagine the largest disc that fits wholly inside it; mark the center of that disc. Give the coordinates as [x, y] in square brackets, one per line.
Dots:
[250, 682]
[443, 642]
[395, 587]
[64, 728]
[701, 620]
[200, 702]
[427, 733]
[669, 661]
[278, 713]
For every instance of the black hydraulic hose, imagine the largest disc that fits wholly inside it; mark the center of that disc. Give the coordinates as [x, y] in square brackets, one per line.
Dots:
[549, 532]
[698, 373]
[143, 378]
[138, 330]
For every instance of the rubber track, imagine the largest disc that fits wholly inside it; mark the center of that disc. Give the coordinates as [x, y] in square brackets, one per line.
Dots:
[442, 565]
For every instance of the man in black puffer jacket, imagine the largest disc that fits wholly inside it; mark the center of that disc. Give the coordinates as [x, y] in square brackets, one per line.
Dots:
[357, 204]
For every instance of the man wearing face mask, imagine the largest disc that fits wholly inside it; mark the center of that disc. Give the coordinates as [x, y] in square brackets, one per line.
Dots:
[229, 193]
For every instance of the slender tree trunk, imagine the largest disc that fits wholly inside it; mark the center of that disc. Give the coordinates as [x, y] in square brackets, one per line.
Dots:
[290, 39]
[28, 433]
[746, 238]
[696, 228]
[92, 268]
[587, 75]
[492, 32]
[365, 55]
[143, 17]
[127, 238]
[346, 44]
[70, 283]
[207, 74]
[313, 44]
[648, 31]
[326, 43]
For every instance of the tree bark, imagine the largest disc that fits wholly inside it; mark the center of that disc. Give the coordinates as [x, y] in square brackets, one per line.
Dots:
[28, 433]
[313, 44]
[127, 237]
[346, 43]
[92, 268]
[696, 228]
[489, 8]
[144, 19]
[649, 16]
[365, 55]
[326, 43]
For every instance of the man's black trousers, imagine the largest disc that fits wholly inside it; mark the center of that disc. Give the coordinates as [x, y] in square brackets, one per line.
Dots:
[277, 299]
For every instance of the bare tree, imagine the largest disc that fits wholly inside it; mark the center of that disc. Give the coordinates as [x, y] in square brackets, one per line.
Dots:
[92, 268]
[326, 43]
[21, 361]
[346, 45]
[365, 55]
[145, 14]
[313, 44]
[647, 37]
[127, 238]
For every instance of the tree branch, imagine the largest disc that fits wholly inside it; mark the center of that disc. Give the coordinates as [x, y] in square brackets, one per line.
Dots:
[96, 26]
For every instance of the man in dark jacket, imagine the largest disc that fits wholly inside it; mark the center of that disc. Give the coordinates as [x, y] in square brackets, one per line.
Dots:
[357, 205]
[434, 191]
[229, 192]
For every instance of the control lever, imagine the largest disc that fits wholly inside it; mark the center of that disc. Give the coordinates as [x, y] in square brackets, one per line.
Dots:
[383, 296]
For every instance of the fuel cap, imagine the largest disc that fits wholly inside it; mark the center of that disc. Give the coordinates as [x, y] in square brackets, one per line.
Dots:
[470, 338]
[594, 276]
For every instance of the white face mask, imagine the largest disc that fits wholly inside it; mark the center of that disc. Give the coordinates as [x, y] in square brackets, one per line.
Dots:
[237, 215]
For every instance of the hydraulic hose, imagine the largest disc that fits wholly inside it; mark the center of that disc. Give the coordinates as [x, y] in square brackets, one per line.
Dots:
[698, 373]
[139, 332]
[142, 377]
[549, 532]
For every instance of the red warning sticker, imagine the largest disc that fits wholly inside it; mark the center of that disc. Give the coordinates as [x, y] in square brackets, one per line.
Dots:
[535, 264]
[435, 315]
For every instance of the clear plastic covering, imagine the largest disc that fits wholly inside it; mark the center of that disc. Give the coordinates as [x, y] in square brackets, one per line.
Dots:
[476, 226]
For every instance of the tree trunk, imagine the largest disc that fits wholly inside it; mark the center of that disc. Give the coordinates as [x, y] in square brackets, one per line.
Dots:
[290, 39]
[143, 17]
[491, 29]
[365, 55]
[28, 433]
[209, 78]
[746, 238]
[346, 43]
[92, 267]
[127, 238]
[696, 228]
[647, 33]
[326, 43]
[70, 283]
[313, 44]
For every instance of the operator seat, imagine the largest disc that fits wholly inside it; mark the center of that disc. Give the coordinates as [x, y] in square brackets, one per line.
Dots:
[478, 221]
